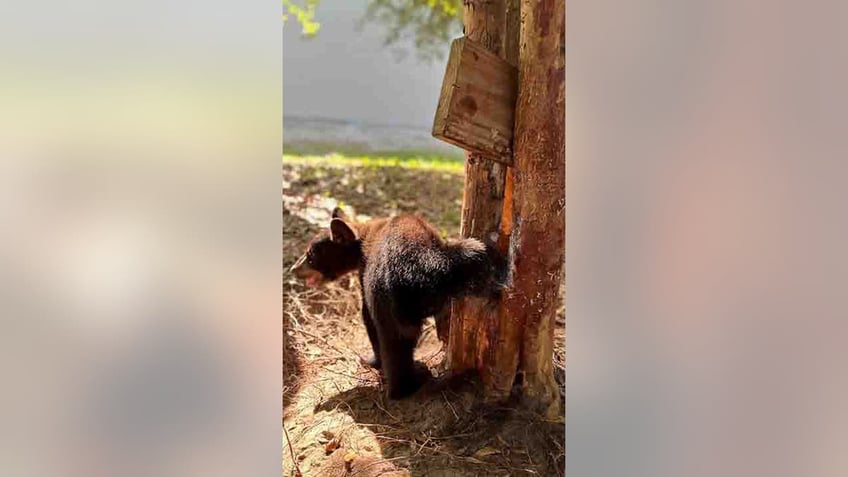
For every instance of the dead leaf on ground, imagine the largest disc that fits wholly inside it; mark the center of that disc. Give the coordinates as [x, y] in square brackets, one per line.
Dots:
[483, 452]
[348, 460]
[331, 446]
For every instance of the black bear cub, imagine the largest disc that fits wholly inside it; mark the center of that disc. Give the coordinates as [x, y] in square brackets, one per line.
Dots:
[407, 273]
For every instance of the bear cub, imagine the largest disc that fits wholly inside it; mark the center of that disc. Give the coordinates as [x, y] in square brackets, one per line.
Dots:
[406, 273]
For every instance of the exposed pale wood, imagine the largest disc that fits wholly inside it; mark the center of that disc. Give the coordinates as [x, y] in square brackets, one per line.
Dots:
[476, 108]
[512, 27]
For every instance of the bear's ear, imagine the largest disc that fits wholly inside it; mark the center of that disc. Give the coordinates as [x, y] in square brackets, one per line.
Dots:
[341, 232]
[338, 213]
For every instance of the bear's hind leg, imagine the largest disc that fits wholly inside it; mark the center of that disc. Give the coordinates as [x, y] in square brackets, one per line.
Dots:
[375, 361]
[398, 368]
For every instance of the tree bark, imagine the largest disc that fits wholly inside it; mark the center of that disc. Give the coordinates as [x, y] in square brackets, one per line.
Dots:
[538, 235]
[521, 208]
[482, 200]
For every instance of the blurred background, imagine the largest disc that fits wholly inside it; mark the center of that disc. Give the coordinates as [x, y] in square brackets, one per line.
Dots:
[139, 174]
[364, 76]
[706, 229]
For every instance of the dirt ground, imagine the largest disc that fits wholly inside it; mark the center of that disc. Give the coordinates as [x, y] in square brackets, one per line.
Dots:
[336, 419]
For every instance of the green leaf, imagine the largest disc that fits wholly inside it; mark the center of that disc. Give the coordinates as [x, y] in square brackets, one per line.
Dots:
[304, 15]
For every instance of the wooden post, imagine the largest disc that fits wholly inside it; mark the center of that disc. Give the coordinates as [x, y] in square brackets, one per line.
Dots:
[471, 323]
[521, 208]
[538, 235]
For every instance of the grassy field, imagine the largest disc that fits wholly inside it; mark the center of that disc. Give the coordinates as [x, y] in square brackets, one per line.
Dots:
[378, 185]
[408, 160]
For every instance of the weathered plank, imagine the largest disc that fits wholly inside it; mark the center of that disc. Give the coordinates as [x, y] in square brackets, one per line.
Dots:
[476, 108]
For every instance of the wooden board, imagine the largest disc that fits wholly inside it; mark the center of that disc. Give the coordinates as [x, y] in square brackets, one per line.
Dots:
[476, 108]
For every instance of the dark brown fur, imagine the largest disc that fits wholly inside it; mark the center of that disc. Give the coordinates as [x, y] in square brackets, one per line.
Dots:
[407, 273]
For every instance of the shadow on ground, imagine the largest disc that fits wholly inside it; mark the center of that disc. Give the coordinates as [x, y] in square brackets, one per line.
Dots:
[291, 365]
[445, 430]
[295, 229]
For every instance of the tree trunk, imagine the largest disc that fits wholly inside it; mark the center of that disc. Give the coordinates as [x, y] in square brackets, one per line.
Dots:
[483, 195]
[522, 208]
[538, 235]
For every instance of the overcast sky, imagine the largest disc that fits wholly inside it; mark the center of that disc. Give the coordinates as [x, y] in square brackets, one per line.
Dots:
[346, 74]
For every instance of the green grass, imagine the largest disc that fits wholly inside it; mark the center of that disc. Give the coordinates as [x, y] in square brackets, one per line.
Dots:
[319, 148]
[408, 160]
